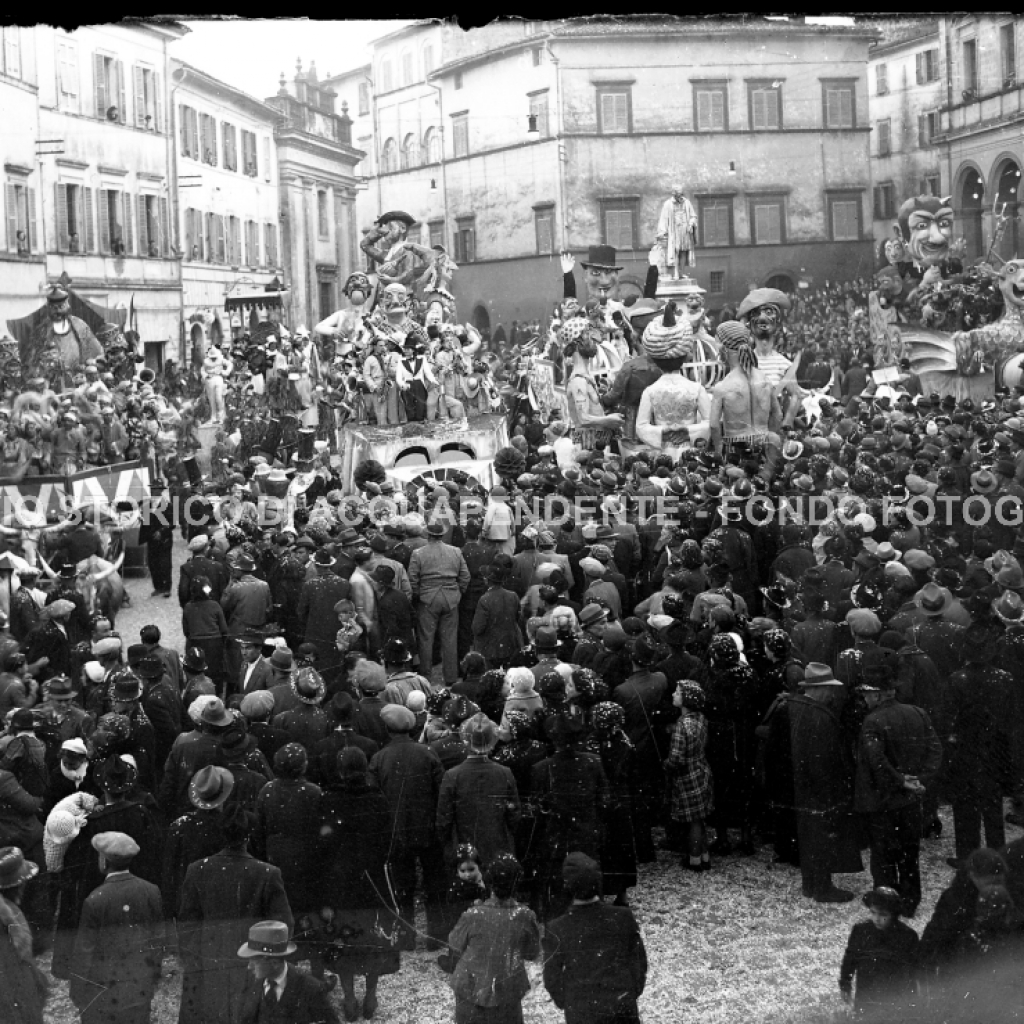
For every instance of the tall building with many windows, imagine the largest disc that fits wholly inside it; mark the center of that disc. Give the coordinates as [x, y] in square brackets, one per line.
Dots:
[103, 144]
[905, 92]
[563, 135]
[981, 117]
[225, 170]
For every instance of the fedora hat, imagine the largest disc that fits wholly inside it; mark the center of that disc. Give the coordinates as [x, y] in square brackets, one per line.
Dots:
[933, 599]
[546, 639]
[214, 713]
[601, 256]
[1010, 577]
[324, 560]
[308, 686]
[117, 776]
[243, 563]
[983, 482]
[14, 869]
[150, 667]
[210, 787]
[61, 688]
[127, 687]
[194, 660]
[407, 219]
[281, 660]
[267, 938]
[1009, 608]
[818, 674]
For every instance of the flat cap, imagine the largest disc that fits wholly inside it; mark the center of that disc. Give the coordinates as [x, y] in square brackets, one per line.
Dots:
[115, 844]
[398, 718]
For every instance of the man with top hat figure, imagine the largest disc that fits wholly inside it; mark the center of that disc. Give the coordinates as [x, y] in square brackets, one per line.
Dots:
[159, 519]
[63, 345]
[602, 281]
[307, 485]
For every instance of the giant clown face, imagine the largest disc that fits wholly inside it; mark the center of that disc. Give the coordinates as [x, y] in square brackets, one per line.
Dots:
[927, 224]
[1011, 284]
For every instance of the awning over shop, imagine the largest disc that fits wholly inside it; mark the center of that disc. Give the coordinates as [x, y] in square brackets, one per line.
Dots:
[259, 299]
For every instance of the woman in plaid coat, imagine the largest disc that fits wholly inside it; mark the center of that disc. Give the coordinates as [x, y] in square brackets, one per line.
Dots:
[691, 793]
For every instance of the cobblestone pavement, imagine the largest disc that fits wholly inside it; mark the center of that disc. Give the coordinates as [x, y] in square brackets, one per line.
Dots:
[161, 611]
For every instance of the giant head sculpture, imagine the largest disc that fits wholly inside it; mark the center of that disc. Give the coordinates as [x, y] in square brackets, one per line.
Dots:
[927, 226]
[601, 273]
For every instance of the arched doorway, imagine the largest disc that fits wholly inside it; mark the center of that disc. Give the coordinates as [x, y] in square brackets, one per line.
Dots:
[482, 322]
[783, 282]
[972, 201]
[1008, 184]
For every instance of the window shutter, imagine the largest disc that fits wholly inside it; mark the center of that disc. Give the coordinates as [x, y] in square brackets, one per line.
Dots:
[920, 63]
[30, 220]
[144, 238]
[266, 159]
[188, 234]
[878, 202]
[122, 202]
[158, 115]
[140, 96]
[61, 206]
[758, 108]
[123, 107]
[183, 128]
[105, 200]
[100, 84]
[218, 223]
[165, 228]
[846, 111]
[89, 238]
[704, 109]
[11, 197]
[718, 110]
[193, 128]
[831, 114]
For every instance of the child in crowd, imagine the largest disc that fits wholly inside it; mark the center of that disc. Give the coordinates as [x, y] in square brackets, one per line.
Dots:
[692, 792]
[466, 889]
[63, 823]
[349, 631]
[882, 955]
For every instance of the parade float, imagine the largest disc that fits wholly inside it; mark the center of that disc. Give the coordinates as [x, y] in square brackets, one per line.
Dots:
[48, 367]
[960, 327]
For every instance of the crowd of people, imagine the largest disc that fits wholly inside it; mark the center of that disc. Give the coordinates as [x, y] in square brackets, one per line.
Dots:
[418, 693]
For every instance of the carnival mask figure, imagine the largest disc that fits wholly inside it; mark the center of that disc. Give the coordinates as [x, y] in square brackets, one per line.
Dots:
[357, 288]
[895, 248]
[394, 303]
[1011, 283]
[927, 225]
[58, 305]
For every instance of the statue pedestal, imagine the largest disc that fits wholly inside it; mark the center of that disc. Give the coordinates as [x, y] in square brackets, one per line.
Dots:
[672, 289]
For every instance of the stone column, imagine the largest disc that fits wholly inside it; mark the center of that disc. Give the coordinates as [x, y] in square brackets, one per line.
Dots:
[294, 242]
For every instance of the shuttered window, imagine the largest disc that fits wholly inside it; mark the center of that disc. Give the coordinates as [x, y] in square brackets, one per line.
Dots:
[109, 88]
[68, 88]
[73, 207]
[711, 105]
[20, 210]
[619, 222]
[270, 244]
[839, 106]
[614, 111]
[115, 222]
[844, 215]
[884, 137]
[208, 139]
[767, 221]
[544, 225]
[147, 99]
[765, 107]
[228, 134]
[460, 138]
[715, 217]
[189, 127]
[250, 164]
